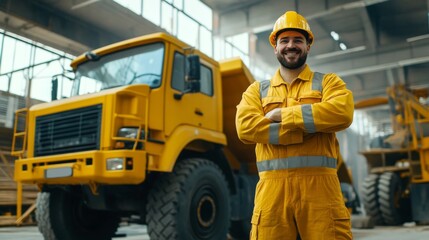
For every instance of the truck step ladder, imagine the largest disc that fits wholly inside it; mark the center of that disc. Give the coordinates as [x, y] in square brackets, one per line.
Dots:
[19, 138]
[20, 133]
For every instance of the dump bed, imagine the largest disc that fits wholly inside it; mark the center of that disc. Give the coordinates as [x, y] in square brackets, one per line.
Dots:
[235, 80]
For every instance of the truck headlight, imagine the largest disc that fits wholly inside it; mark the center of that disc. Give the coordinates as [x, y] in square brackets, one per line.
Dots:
[113, 164]
[128, 132]
[131, 133]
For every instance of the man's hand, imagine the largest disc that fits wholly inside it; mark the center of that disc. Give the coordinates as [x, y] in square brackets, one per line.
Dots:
[275, 115]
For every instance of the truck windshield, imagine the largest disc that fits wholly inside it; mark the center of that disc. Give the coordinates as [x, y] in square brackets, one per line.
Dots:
[139, 65]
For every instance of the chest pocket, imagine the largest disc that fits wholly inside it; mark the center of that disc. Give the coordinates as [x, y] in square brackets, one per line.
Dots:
[270, 103]
[311, 97]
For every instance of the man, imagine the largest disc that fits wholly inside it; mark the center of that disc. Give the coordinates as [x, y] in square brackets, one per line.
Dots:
[293, 119]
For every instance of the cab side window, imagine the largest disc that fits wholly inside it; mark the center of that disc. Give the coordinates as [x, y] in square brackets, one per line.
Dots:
[206, 82]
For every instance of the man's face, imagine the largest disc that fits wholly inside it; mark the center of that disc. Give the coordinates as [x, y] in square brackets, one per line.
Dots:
[291, 49]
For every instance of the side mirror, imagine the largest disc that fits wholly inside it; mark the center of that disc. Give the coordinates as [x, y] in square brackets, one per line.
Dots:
[54, 89]
[193, 75]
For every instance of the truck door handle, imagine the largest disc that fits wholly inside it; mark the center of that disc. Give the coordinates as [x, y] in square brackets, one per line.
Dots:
[198, 112]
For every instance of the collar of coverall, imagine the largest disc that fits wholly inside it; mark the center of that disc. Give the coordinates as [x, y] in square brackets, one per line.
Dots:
[305, 75]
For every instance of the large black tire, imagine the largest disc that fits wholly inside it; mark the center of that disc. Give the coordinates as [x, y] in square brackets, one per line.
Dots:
[370, 198]
[63, 216]
[192, 202]
[42, 216]
[394, 205]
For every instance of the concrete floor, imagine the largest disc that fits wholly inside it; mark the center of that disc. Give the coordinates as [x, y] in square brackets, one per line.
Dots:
[131, 232]
[392, 233]
[138, 232]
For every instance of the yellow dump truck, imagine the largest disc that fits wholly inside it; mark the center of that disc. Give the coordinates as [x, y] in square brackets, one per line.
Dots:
[149, 135]
[148, 132]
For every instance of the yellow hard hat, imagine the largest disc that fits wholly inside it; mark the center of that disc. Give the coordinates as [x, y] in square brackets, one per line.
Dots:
[291, 20]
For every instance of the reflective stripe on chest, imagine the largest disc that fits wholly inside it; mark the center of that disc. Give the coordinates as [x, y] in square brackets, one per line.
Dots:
[306, 97]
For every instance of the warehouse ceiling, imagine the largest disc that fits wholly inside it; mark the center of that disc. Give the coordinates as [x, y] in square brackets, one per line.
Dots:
[387, 40]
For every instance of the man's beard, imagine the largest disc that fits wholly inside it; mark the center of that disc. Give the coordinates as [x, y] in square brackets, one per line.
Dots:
[294, 65]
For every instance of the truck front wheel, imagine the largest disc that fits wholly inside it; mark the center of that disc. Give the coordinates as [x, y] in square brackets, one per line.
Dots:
[192, 202]
[62, 215]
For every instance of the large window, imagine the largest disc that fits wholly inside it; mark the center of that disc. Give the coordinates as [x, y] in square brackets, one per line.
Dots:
[192, 22]
[27, 67]
[26, 70]
[189, 20]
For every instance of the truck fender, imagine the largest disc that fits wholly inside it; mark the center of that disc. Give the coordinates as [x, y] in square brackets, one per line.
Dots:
[181, 139]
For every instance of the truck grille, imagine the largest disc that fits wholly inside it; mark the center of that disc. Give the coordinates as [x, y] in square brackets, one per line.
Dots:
[69, 131]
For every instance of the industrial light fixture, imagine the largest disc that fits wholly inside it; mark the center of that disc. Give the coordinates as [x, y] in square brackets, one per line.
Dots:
[342, 52]
[417, 38]
[335, 35]
[84, 4]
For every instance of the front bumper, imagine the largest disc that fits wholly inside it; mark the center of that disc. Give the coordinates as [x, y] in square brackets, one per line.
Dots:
[81, 168]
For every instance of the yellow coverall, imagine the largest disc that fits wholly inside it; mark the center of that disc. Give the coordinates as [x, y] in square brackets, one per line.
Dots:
[298, 192]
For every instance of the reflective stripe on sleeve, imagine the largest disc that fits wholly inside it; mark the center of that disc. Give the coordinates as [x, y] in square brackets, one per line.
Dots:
[296, 162]
[307, 116]
[263, 88]
[274, 133]
[317, 81]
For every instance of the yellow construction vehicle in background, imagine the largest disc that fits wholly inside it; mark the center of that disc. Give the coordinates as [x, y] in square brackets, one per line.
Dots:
[149, 135]
[397, 187]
